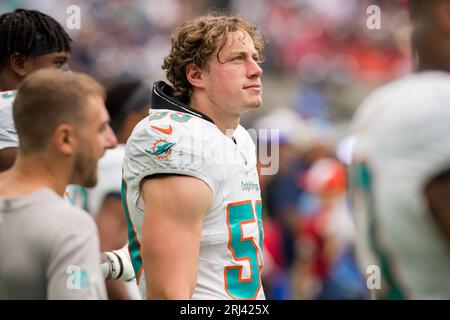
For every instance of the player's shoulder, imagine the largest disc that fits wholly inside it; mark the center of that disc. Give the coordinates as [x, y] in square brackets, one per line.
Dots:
[7, 97]
[6, 101]
[57, 215]
[60, 209]
[171, 127]
[409, 88]
[169, 121]
[414, 93]
[411, 92]
[373, 105]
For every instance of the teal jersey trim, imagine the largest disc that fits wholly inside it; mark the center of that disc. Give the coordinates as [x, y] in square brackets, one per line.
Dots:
[362, 179]
[133, 243]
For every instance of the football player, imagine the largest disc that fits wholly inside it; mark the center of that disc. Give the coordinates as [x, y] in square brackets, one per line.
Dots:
[190, 185]
[29, 40]
[400, 170]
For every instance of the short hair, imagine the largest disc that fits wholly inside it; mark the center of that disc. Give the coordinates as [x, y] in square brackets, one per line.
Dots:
[195, 41]
[23, 31]
[48, 98]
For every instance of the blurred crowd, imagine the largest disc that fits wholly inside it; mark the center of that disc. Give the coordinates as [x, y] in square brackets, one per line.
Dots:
[321, 61]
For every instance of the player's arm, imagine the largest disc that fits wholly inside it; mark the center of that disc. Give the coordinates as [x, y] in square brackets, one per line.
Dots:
[174, 211]
[7, 157]
[437, 192]
[112, 228]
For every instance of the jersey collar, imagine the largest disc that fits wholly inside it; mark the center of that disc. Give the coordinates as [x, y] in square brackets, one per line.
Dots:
[162, 98]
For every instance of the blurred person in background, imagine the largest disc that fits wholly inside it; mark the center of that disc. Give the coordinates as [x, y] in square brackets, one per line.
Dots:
[280, 194]
[50, 249]
[127, 102]
[324, 267]
[285, 198]
[29, 40]
[400, 169]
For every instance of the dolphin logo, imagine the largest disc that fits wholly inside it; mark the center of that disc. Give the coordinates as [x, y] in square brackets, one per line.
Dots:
[161, 149]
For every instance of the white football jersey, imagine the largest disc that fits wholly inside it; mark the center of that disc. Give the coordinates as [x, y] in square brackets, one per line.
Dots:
[402, 134]
[170, 142]
[8, 136]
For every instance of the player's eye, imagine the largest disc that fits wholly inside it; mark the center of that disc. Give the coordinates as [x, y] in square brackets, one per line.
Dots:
[59, 63]
[258, 59]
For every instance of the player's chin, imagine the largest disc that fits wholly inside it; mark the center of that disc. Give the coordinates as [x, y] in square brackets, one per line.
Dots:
[90, 182]
[255, 103]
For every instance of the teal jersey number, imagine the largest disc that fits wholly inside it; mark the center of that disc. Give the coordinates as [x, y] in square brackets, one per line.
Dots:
[180, 117]
[243, 249]
[157, 115]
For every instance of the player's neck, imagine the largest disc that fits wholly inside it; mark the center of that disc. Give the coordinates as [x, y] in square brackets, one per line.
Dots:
[37, 172]
[227, 122]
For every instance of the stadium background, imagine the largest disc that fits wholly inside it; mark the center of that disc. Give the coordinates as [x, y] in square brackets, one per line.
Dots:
[321, 61]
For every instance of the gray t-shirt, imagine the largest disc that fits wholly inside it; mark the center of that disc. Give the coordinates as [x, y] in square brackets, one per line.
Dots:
[48, 249]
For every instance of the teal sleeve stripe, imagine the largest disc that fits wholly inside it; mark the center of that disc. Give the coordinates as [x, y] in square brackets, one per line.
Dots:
[133, 243]
[258, 208]
[364, 181]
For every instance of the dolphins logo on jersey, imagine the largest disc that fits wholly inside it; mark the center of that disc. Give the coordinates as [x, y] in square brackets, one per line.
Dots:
[161, 149]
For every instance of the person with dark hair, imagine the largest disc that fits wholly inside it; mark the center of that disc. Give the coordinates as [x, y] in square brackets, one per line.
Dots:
[50, 249]
[400, 181]
[29, 40]
[127, 102]
[190, 184]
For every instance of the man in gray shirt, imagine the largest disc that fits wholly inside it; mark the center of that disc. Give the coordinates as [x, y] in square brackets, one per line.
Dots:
[48, 248]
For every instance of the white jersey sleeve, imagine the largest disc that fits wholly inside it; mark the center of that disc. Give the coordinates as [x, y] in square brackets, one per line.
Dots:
[8, 135]
[167, 146]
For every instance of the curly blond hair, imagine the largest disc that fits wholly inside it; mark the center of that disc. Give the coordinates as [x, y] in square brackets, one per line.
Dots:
[195, 41]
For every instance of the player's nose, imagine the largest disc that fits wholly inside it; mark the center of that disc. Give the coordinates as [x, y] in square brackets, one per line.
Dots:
[254, 69]
[111, 139]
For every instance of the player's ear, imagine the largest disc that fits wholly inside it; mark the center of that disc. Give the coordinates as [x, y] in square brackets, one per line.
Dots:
[18, 63]
[194, 75]
[64, 139]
